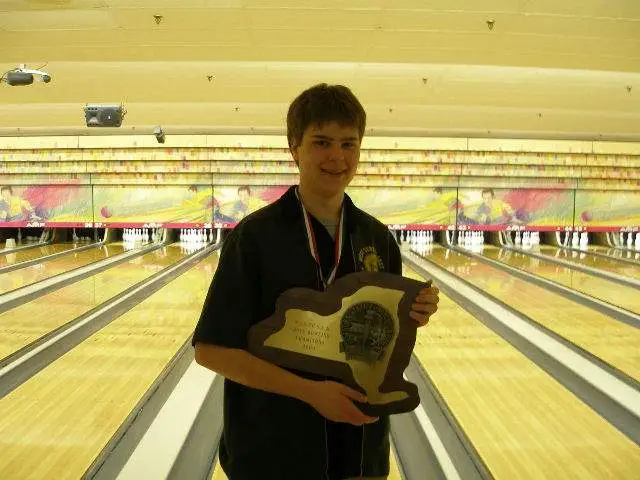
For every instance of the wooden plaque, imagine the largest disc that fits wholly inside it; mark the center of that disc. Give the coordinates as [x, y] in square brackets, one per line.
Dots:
[358, 332]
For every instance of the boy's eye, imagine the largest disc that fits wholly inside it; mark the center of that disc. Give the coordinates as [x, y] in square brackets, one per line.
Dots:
[321, 143]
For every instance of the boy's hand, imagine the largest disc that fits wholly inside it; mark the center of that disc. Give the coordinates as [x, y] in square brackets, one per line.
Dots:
[426, 304]
[335, 402]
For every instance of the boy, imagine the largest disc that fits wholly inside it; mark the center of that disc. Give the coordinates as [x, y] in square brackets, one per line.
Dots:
[282, 424]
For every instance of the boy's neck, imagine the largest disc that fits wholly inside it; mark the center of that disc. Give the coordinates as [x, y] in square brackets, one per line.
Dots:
[321, 207]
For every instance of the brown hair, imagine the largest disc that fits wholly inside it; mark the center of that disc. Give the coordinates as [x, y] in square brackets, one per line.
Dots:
[321, 104]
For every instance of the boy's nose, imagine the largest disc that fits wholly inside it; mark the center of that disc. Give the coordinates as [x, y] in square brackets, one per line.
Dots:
[336, 154]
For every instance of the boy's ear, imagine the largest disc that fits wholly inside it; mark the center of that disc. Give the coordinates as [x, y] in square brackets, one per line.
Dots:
[294, 154]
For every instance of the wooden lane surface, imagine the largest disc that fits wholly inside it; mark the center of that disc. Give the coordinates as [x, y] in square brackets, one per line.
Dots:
[32, 253]
[56, 423]
[605, 290]
[24, 324]
[522, 422]
[394, 472]
[593, 261]
[614, 342]
[633, 256]
[40, 271]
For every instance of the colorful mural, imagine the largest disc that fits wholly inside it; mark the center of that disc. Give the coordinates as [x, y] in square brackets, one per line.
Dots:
[232, 204]
[152, 204]
[54, 205]
[519, 207]
[408, 206]
[608, 208]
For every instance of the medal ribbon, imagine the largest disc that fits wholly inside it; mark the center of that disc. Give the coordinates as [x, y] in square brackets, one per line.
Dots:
[313, 246]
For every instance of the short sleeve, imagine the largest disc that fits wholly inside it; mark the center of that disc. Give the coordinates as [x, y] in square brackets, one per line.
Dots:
[231, 305]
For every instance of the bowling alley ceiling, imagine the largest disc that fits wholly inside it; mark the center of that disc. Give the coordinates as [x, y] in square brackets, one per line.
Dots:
[510, 68]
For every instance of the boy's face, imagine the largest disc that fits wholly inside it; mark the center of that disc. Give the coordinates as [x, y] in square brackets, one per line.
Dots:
[328, 158]
[487, 198]
[6, 195]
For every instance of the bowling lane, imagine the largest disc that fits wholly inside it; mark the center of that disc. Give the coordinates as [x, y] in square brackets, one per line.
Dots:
[56, 423]
[32, 253]
[522, 422]
[593, 261]
[615, 253]
[22, 325]
[40, 271]
[614, 342]
[606, 290]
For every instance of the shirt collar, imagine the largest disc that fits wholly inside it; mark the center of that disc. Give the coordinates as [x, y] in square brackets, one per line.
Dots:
[292, 211]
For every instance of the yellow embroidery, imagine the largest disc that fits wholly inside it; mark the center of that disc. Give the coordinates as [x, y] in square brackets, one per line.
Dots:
[369, 259]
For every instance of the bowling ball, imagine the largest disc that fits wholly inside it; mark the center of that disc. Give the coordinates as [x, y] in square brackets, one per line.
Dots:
[456, 205]
[586, 216]
[105, 212]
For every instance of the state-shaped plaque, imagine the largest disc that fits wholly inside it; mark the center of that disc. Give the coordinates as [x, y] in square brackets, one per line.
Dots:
[358, 332]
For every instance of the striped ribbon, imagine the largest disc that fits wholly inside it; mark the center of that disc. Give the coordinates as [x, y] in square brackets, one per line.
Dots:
[313, 246]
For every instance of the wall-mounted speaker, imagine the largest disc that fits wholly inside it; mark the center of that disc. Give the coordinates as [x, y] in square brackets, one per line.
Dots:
[104, 115]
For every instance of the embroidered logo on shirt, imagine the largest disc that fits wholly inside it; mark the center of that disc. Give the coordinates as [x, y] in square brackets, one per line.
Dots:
[369, 260]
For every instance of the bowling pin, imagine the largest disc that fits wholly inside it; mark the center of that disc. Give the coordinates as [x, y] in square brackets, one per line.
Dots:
[575, 241]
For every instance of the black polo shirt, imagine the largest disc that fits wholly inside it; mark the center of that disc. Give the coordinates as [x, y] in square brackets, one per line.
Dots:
[268, 436]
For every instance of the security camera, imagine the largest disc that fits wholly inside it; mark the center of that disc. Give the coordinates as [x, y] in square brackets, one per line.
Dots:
[160, 135]
[22, 75]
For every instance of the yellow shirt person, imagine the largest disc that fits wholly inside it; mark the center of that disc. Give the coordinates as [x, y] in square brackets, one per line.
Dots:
[494, 211]
[13, 207]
